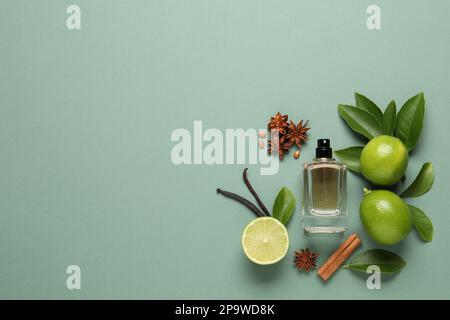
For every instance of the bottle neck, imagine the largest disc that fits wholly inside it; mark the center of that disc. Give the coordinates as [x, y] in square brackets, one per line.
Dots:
[324, 152]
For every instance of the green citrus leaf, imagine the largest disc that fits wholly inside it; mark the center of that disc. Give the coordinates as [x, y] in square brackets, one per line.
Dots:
[350, 157]
[387, 261]
[284, 206]
[422, 183]
[368, 105]
[360, 121]
[422, 223]
[410, 121]
[389, 118]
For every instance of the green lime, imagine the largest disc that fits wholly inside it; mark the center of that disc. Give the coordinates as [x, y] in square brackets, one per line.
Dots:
[384, 160]
[265, 240]
[385, 216]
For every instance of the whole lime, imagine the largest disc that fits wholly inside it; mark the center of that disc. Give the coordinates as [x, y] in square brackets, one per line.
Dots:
[384, 160]
[385, 216]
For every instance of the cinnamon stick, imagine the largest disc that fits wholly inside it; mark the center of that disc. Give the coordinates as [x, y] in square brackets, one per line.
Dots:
[344, 251]
[339, 251]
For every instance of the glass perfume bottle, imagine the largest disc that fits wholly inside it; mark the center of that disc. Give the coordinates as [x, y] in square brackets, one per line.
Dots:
[324, 192]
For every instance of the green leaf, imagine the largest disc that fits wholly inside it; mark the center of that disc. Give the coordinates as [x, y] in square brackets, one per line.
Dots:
[360, 121]
[368, 105]
[350, 157]
[422, 223]
[422, 183]
[389, 118]
[410, 121]
[387, 261]
[284, 205]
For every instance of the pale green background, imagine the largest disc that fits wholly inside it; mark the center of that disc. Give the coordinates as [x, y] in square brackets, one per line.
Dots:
[85, 123]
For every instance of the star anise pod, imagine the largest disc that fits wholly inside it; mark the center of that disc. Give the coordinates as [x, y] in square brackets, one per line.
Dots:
[280, 145]
[279, 123]
[297, 133]
[305, 259]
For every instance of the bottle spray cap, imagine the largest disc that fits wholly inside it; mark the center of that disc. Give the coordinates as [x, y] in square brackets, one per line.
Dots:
[323, 149]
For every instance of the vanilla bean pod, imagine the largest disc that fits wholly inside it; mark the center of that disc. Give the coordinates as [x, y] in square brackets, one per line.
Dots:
[242, 201]
[253, 192]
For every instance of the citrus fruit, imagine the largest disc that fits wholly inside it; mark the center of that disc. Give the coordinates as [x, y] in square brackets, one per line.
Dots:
[384, 160]
[265, 240]
[385, 216]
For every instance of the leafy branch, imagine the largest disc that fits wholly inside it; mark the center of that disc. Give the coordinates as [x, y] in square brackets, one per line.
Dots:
[369, 121]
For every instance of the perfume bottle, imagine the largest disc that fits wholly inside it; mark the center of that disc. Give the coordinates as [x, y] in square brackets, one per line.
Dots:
[324, 192]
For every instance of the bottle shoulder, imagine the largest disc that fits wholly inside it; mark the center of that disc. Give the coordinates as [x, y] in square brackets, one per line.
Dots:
[325, 163]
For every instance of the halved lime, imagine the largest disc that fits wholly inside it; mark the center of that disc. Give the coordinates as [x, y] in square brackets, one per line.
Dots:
[265, 240]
